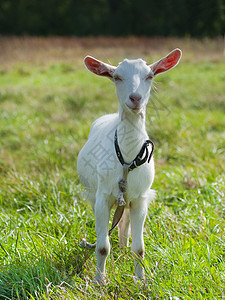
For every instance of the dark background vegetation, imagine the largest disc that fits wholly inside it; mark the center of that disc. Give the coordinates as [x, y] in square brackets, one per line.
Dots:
[197, 18]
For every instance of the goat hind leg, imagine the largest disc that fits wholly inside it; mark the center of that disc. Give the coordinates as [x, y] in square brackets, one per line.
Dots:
[124, 229]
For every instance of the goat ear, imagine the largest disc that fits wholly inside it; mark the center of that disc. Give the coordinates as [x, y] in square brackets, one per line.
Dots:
[98, 67]
[166, 63]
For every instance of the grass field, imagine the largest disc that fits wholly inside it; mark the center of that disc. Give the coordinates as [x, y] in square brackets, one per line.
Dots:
[48, 101]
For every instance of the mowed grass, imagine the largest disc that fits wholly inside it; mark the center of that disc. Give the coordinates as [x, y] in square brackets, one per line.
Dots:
[47, 105]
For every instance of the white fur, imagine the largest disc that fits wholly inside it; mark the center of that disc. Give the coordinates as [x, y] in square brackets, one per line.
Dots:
[99, 168]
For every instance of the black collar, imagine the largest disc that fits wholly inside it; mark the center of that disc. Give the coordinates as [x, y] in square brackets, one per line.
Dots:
[139, 159]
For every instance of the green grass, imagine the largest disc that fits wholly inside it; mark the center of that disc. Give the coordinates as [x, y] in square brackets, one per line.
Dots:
[46, 111]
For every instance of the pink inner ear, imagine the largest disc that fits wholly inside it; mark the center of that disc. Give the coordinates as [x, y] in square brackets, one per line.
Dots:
[92, 64]
[98, 67]
[167, 62]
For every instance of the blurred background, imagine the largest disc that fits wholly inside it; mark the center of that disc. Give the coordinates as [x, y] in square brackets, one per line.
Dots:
[183, 18]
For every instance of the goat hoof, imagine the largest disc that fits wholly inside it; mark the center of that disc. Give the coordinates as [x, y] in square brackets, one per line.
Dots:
[139, 281]
[83, 243]
[86, 245]
[99, 280]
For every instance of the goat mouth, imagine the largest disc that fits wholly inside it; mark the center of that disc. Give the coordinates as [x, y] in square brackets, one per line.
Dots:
[134, 108]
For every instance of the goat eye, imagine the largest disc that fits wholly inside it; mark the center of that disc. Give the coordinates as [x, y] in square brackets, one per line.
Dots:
[117, 78]
[149, 77]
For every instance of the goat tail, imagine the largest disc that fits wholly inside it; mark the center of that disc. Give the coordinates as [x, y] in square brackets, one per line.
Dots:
[86, 245]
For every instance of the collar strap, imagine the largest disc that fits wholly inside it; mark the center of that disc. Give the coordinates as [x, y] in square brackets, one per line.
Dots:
[140, 159]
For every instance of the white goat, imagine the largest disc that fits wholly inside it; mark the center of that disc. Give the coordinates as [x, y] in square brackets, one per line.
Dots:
[113, 149]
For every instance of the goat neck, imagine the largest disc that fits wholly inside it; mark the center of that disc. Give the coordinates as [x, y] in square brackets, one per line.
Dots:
[131, 133]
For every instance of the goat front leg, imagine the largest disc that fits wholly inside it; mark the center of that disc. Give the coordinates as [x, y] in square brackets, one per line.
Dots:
[102, 215]
[138, 212]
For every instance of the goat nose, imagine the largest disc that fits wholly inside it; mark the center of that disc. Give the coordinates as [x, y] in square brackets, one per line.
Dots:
[134, 97]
